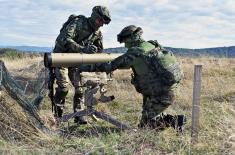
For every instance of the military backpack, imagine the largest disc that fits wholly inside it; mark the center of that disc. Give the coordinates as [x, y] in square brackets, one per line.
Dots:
[164, 64]
[69, 20]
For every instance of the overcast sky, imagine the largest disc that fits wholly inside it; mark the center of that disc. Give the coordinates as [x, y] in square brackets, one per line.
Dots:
[174, 23]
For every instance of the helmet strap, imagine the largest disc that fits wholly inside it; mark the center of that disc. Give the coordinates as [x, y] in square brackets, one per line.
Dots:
[134, 40]
[93, 24]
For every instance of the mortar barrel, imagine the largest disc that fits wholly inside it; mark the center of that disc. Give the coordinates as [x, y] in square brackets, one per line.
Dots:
[76, 59]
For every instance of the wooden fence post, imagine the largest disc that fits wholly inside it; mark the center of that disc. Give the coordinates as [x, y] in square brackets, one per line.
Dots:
[1, 74]
[196, 103]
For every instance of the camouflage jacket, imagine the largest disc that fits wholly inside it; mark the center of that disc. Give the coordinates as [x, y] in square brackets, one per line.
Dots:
[145, 79]
[78, 34]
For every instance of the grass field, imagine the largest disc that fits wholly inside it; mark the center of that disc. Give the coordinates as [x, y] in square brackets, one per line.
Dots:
[217, 117]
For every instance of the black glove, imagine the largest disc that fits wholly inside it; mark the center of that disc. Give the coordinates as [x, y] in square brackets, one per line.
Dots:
[90, 49]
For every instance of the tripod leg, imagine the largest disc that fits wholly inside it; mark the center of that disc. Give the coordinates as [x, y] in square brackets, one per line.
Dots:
[65, 118]
[111, 120]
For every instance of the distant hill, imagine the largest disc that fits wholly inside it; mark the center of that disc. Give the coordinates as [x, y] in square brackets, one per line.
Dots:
[29, 48]
[216, 51]
[14, 53]
[116, 50]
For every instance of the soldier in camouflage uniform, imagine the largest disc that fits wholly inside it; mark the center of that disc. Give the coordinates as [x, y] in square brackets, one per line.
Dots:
[79, 34]
[155, 79]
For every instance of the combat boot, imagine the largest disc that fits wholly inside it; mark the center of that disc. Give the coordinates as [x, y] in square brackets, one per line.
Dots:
[77, 101]
[58, 111]
[59, 101]
[162, 121]
[181, 121]
[176, 121]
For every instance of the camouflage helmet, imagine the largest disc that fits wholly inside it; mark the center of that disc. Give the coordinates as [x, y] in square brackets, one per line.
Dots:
[128, 32]
[101, 12]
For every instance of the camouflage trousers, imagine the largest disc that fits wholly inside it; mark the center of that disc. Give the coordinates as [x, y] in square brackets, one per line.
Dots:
[154, 105]
[62, 81]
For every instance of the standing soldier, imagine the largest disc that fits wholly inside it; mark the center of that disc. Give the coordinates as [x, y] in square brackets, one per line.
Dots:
[156, 74]
[78, 35]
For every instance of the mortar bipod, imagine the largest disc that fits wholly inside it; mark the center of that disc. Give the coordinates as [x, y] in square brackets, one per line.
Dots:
[91, 89]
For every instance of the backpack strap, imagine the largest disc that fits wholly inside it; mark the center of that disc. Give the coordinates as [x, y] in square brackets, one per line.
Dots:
[69, 20]
[155, 43]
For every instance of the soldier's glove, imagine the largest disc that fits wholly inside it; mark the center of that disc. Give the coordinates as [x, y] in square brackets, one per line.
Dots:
[90, 49]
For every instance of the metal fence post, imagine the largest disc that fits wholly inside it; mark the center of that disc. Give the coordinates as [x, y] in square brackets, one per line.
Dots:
[196, 103]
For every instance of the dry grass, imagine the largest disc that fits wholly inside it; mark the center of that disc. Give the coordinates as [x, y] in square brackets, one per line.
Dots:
[16, 125]
[216, 123]
[18, 64]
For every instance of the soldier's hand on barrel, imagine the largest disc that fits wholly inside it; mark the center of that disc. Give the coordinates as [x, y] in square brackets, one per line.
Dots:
[90, 49]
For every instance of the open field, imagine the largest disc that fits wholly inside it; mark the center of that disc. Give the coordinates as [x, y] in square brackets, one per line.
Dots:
[217, 117]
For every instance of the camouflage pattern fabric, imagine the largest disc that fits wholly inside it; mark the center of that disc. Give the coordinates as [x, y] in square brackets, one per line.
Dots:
[165, 64]
[154, 105]
[78, 34]
[75, 36]
[62, 80]
[157, 95]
